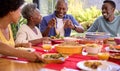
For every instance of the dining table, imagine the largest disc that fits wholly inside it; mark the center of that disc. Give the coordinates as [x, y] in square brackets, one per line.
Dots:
[70, 64]
[17, 65]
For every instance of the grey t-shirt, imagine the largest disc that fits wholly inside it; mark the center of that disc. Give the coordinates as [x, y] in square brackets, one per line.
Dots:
[101, 25]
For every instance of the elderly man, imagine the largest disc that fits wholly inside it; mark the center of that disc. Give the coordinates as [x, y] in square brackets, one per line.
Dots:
[108, 22]
[59, 23]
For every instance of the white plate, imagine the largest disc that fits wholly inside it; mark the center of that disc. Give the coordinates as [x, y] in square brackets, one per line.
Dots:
[112, 50]
[106, 66]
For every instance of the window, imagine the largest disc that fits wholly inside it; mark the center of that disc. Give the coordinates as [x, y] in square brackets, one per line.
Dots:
[46, 6]
[28, 1]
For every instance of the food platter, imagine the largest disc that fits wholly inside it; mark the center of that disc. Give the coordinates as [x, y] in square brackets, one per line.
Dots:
[115, 55]
[113, 50]
[105, 66]
[53, 58]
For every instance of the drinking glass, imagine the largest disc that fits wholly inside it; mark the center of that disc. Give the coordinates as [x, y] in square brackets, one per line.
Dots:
[47, 45]
[103, 55]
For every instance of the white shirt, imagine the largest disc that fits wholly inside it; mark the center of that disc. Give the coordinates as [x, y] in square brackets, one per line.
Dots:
[60, 26]
[25, 34]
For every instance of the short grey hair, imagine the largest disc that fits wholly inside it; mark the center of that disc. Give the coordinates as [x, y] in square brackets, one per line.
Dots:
[65, 1]
[28, 10]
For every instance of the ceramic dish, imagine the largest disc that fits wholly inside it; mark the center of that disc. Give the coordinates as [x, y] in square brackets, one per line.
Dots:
[105, 66]
[112, 50]
[53, 58]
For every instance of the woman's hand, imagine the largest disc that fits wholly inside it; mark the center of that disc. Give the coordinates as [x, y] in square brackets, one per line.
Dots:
[38, 56]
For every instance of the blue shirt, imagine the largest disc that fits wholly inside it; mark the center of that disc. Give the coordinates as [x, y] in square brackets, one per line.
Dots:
[44, 23]
[101, 25]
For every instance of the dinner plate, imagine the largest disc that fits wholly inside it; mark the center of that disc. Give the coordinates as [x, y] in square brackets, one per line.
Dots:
[112, 50]
[106, 66]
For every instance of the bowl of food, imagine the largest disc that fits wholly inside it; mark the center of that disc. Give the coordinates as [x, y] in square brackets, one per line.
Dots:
[113, 49]
[56, 41]
[69, 48]
[115, 56]
[93, 48]
[117, 40]
[53, 58]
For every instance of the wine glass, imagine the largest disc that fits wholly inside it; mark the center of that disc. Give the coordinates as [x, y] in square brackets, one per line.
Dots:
[47, 45]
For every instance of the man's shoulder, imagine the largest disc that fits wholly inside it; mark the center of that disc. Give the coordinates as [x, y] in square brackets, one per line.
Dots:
[118, 16]
[100, 17]
[68, 15]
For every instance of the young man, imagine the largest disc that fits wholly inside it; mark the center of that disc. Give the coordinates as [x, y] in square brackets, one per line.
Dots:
[108, 23]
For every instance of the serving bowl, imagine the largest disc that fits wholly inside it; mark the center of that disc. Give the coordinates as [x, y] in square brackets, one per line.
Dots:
[69, 48]
[93, 48]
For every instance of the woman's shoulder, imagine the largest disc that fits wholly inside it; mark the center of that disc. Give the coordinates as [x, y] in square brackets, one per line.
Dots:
[23, 27]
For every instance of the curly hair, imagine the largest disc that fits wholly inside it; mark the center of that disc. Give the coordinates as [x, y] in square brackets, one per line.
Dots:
[7, 6]
[28, 10]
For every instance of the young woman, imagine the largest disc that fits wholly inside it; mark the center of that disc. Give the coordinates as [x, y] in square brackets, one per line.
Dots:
[10, 11]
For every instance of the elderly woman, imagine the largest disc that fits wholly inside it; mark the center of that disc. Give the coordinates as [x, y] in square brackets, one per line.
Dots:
[10, 11]
[29, 32]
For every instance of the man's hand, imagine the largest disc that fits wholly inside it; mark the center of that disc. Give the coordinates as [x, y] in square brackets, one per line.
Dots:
[68, 24]
[51, 23]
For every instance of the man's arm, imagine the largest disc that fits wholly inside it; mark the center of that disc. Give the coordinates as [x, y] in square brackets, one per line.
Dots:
[76, 26]
[94, 26]
[78, 29]
[45, 27]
